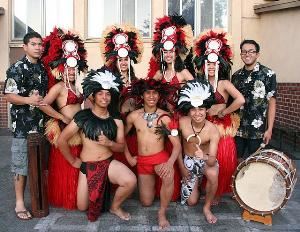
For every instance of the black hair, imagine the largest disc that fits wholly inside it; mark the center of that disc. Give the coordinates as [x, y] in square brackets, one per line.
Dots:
[250, 41]
[30, 35]
[224, 67]
[115, 70]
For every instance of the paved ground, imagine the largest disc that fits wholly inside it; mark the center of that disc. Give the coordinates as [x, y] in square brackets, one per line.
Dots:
[182, 218]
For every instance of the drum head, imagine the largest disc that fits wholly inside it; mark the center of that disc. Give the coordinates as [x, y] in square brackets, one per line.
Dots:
[260, 186]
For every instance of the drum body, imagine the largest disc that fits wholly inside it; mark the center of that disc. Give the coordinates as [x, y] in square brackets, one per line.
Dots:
[264, 182]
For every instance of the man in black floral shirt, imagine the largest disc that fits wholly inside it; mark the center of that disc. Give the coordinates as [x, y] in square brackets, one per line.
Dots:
[257, 83]
[25, 87]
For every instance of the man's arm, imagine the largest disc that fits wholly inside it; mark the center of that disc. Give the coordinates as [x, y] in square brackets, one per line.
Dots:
[270, 120]
[213, 147]
[176, 151]
[63, 146]
[35, 99]
[129, 124]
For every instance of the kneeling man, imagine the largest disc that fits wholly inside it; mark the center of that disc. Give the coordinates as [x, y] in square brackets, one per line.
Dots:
[200, 144]
[102, 133]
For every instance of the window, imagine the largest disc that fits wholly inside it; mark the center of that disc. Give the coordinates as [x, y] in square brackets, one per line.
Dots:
[40, 16]
[103, 13]
[201, 14]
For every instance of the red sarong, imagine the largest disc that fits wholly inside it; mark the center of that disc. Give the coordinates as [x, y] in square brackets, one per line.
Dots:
[98, 183]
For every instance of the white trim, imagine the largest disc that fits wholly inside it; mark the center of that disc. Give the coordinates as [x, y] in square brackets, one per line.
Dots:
[135, 12]
[213, 13]
[197, 20]
[180, 7]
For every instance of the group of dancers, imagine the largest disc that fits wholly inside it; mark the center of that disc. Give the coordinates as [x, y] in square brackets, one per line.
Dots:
[168, 132]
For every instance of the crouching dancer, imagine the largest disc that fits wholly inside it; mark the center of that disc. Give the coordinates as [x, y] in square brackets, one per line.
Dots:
[200, 144]
[102, 133]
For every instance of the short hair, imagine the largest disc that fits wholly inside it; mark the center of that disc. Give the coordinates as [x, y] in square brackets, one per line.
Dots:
[250, 41]
[30, 35]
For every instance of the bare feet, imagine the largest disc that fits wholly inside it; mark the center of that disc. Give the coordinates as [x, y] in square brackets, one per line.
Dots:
[162, 220]
[210, 218]
[216, 200]
[121, 214]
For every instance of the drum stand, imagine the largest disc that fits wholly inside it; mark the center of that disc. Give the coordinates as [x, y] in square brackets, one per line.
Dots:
[38, 176]
[266, 219]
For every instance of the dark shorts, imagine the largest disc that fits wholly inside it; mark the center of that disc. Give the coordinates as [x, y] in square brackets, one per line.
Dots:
[246, 147]
[19, 158]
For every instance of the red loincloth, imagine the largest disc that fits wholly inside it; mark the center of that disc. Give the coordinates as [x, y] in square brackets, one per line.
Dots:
[98, 188]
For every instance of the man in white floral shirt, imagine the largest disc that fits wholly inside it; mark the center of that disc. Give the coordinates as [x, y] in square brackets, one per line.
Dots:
[257, 83]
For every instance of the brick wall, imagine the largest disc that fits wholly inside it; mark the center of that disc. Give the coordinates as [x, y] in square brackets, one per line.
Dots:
[288, 105]
[3, 108]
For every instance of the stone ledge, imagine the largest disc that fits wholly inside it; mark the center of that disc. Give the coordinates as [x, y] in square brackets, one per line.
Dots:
[276, 6]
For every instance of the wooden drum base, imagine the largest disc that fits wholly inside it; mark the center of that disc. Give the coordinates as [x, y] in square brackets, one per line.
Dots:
[267, 219]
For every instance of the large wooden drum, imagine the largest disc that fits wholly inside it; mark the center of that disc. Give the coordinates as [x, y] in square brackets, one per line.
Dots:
[264, 182]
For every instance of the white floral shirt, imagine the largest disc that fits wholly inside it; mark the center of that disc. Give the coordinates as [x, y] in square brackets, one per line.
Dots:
[257, 87]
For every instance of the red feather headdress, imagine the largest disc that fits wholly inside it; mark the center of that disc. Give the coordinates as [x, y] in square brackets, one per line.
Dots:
[170, 32]
[121, 40]
[213, 46]
[61, 49]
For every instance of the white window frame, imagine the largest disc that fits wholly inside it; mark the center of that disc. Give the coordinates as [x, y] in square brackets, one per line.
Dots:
[197, 13]
[43, 20]
[119, 11]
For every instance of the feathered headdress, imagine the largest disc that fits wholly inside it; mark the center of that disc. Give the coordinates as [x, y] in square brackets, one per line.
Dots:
[170, 32]
[101, 79]
[195, 93]
[63, 49]
[121, 41]
[213, 46]
[168, 93]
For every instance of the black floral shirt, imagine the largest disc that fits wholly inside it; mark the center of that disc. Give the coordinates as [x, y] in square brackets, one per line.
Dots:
[23, 78]
[257, 87]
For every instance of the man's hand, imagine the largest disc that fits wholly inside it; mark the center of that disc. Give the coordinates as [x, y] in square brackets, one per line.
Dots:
[165, 169]
[199, 153]
[132, 161]
[186, 175]
[267, 136]
[35, 99]
[104, 141]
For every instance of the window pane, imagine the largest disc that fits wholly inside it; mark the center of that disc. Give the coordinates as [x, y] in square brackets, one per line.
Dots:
[221, 13]
[23, 18]
[101, 14]
[206, 14]
[188, 11]
[144, 17]
[173, 7]
[59, 13]
[128, 15]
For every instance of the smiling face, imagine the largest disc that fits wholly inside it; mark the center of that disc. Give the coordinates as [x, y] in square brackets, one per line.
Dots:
[123, 64]
[151, 98]
[71, 74]
[169, 56]
[211, 69]
[198, 114]
[102, 98]
[249, 54]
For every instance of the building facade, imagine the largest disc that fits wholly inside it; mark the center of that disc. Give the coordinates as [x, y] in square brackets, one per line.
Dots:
[274, 24]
